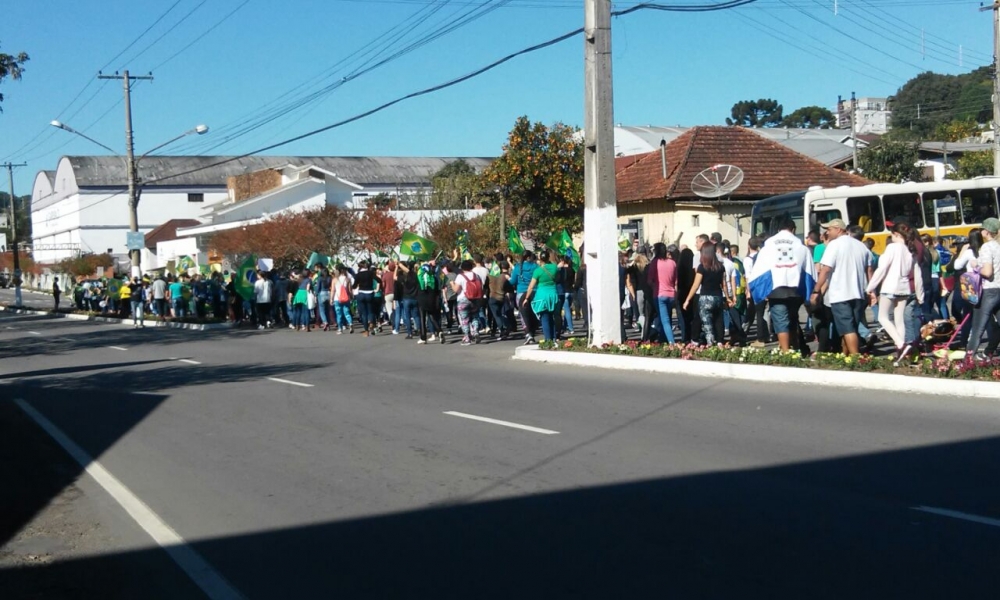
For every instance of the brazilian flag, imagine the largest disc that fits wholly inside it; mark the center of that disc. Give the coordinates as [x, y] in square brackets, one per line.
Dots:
[417, 247]
[245, 277]
[575, 257]
[495, 269]
[514, 243]
[560, 242]
[623, 243]
[184, 263]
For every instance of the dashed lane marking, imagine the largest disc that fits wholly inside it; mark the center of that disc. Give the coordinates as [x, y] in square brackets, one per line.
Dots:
[300, 384]
[34, 333]
[503, 423]
[197, 568]
[954, 514]
[188, 361]
[118, 348]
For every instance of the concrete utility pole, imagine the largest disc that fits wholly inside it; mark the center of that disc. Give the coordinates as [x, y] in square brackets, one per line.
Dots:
[600, 216]
[13, 233]
[133, 176]
[854, 129]
[995, 7]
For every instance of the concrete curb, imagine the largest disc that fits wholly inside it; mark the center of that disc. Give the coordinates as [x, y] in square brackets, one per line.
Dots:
[112, 321]
[698, 368]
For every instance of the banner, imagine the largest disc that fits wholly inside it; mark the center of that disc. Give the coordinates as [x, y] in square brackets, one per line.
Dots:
[417, 247]
[514, 243]
[246, 276]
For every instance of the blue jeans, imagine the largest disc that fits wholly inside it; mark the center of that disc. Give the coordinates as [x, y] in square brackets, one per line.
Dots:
[913, 316]
[568, 311]
[547, 319]
[408, 308]
[987, 311]
[665, 306]
[366, 311]
[137, 315]
[323, 302]
[342, 311]
[180, 307]
[498, 308]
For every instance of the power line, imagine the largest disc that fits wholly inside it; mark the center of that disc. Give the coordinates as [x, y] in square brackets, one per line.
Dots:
[203, 34]
[139, 37]
[458, 80]
[167, 32]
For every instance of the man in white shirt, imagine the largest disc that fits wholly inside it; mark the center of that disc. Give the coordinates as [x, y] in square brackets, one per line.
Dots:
[843, 277]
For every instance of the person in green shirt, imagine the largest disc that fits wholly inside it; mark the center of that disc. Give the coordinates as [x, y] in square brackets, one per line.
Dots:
[545, 299]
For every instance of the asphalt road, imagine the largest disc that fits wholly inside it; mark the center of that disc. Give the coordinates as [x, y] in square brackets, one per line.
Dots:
[358, 483]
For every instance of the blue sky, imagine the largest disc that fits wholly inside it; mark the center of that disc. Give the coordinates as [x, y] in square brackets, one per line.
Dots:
[670, 68]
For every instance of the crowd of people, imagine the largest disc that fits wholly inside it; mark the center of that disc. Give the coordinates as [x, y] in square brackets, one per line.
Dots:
[669, 293]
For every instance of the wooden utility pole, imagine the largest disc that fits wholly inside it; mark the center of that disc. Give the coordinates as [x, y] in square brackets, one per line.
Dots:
[600, 216]
[13, 232]
[133, 176]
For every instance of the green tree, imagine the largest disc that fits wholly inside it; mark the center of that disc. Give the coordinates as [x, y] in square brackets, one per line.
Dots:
[890, 162]
[11, 65]
[928, 100]
[756, 113]
[956, 131]
[810, 117]
[455, 185]
[973, 164]
[22, 208]
[540, 173]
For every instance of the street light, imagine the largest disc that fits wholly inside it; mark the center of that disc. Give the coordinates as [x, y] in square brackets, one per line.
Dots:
[132, 170]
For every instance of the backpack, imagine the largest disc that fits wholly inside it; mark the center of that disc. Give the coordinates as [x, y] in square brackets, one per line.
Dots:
[343, 296]
[473, 287]
[971, 286]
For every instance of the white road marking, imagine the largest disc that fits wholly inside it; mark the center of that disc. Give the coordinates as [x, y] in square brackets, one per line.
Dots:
[34, 333]
[207, 578]
[499, 422]
[954, 514]
[118, 348]
[290, 382]
[190, 362]
[13, 328]
[63, 340]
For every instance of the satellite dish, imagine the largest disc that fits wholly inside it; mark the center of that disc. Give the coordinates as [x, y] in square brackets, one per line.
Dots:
[717, 181]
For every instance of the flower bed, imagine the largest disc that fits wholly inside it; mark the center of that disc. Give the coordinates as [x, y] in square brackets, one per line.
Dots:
[941, 368]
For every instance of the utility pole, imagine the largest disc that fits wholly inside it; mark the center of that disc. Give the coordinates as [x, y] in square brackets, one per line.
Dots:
[13, 232]
[600, 215]
[133, 176]
[995, 7]
[854, 129]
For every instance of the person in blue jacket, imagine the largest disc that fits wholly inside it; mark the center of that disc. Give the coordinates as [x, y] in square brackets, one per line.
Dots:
[521, 278]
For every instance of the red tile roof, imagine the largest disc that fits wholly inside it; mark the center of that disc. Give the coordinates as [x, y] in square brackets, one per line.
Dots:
[167, 231]
[768, 168]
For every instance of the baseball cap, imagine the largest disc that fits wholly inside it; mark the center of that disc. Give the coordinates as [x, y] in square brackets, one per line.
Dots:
[835, 224]
[992, 225]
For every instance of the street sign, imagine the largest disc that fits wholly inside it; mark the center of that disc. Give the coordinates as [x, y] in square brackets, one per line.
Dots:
[135, 240]
[946, 205]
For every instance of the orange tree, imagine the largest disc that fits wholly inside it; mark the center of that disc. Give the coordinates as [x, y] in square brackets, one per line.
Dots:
[287, 238]
[379, 231]
[84, 265]
[338, 226]
[541, 175]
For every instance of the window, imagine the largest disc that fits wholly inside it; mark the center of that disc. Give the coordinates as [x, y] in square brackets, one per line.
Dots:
[865, 212]
[695, 221]
[818, 216]
[978, 205]
[903, 208]
[196, 197]
[948, 213]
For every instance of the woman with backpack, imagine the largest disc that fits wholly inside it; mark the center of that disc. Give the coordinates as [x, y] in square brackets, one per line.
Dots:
[900, 279]
[340, 290]
[984, 317]
[545, 299]
[967, 260]
[469, 290]
[428, 302]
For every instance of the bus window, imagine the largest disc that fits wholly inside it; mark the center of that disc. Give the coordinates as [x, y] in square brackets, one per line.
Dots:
[903, 208]
[865, 212]
[818, 216]
[978, 205]
[948, 211]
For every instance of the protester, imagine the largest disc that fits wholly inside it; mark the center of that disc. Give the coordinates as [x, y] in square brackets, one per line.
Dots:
[341, 293]
[55, 293]
[521, 278]
[499, 284]
[263, 289]
[710, 278]
[365, 285]
[841, 285]
[784, 276]
[428, 303]
[565, 279]
[989, 304]
[895, 274]
[662, 279]
[469, 290]
[968, 258]
[542, 292]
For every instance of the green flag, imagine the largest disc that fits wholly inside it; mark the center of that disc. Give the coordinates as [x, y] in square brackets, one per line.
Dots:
[575, 257]
[463, 244]
[246, 276]
[623, 242]
[417, 247]
[495, 269]
[184, 263]
[514, 243]
[317, 259]
[560, 242]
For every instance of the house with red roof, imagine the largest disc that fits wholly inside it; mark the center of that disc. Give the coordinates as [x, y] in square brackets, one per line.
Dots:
[656, 201]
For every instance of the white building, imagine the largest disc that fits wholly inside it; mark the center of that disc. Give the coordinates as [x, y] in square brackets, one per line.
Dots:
[873, 115]
[82, 206]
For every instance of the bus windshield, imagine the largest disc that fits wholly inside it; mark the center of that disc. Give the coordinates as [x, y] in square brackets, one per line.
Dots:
[768, 214]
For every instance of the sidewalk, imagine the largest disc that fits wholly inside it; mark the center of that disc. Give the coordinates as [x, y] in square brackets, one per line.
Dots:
[828, 378]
